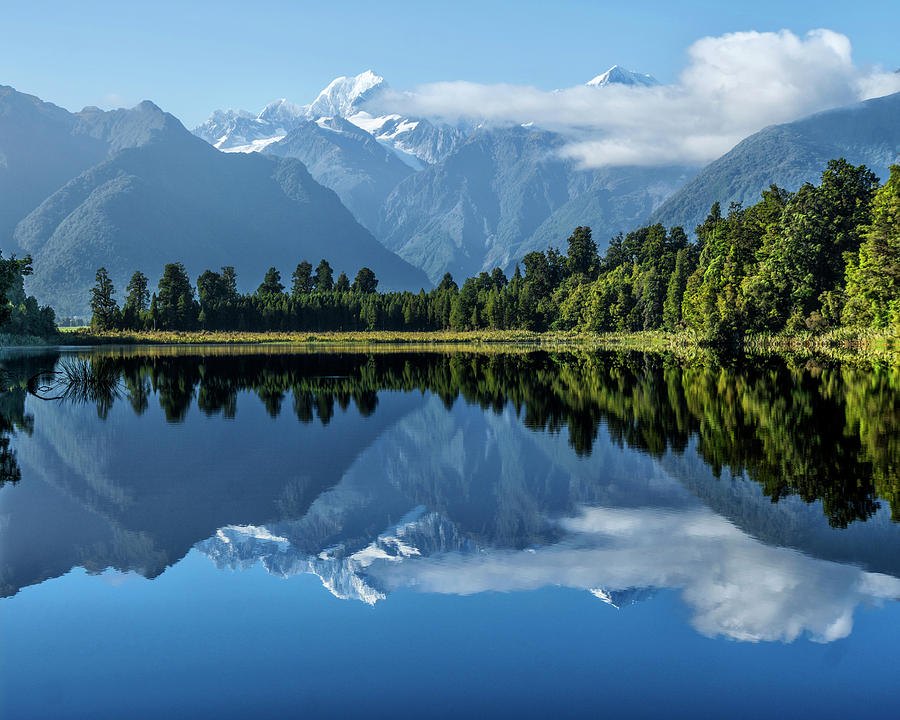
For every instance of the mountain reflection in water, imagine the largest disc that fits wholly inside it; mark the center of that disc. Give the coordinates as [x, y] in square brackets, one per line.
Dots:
[765, 495]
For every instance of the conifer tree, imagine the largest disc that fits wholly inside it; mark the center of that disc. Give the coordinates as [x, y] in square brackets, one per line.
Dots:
[104, 309]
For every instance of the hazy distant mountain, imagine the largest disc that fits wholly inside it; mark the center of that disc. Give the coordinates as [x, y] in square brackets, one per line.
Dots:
[43, 146]
[172, 197]
[616, 201]
[790, 155]
[348, 160]
[506, 191]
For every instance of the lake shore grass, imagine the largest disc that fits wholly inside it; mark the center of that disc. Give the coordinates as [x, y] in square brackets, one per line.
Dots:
[843, 344]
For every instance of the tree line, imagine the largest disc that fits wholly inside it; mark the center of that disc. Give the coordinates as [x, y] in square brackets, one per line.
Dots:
[825, 256]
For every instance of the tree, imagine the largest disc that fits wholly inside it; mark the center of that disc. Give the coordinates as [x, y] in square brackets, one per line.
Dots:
[137, 301]
[104, 309]
[218, 296]
[873, 274]
[138, 296]
[302, 278]
[11, 273]
[343, 283]
[537, 274]
[365, 281]
[685, 262]
[447, 283]
[229, 279]
[175, 305]
[323, 279]
[582, 255]
[271, 285]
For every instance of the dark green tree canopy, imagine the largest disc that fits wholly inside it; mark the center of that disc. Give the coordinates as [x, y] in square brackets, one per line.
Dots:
[271, 284]
[447, 283]
[302, 279]
[365, 281]
[582, 255]
[324, 277]
[342, 284]
[104, 309]
[138, 297]
[175, 304]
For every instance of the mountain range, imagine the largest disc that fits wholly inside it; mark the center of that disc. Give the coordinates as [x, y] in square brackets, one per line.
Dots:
[341, 178]
[133, 189]
[475, 196]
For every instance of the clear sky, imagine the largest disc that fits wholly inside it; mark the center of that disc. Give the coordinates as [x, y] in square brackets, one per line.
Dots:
[193, 57]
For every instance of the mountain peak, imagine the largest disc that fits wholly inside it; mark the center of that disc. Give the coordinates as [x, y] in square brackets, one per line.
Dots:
[617, 75]
[282, 112]
[343, 93]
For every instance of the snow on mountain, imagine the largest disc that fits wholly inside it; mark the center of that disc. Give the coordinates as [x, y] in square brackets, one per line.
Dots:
[283, 114]
[343, 94]
[415, 142]
[241, 131]
[341, 569]
[620, 76]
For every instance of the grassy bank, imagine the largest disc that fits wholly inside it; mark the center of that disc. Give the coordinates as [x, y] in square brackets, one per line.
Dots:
[841, 344]
[83, 336]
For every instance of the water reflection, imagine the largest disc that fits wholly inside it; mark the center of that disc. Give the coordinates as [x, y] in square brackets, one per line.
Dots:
[461, 472]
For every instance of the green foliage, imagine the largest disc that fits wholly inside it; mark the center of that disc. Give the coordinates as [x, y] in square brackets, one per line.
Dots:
[365, 281]
[173, 306]
[137, 301]
[271, 284]
[104, 309]
[302, 277]
[20, 314]
[323, 280]
[777, 265]
[342, 284]
[824, 433]
[873, 274]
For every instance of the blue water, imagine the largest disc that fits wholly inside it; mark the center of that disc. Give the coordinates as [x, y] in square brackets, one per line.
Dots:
[409, 559]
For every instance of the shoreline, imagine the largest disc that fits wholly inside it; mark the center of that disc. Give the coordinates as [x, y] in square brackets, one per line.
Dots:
[842, 344]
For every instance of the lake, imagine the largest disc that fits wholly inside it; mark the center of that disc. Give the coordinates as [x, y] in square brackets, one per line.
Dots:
[388, 532]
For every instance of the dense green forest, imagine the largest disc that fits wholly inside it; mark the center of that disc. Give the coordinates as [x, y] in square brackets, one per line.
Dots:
[823, 257]
[20, 314]
[826, 432]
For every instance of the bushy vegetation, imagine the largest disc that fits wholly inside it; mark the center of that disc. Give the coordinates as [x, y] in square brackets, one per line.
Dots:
[20, 315]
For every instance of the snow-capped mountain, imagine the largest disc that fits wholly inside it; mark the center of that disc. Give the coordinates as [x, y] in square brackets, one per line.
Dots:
[343, 95]
[415, 141]
[241, 131]
[620, 76]
[341, 568]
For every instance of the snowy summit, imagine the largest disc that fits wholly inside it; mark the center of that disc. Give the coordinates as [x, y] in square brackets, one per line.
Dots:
[620, 76]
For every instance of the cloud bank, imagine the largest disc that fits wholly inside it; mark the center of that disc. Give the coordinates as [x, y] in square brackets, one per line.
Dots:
[733, 86]
[736, 586]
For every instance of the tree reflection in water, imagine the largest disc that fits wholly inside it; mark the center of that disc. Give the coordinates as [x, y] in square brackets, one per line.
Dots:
[825, 432]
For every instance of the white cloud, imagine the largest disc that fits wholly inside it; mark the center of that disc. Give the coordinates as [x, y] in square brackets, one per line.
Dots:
[733, 86]
[735, 585]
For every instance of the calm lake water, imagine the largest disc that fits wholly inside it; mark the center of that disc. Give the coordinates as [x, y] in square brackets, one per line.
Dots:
[266, 532]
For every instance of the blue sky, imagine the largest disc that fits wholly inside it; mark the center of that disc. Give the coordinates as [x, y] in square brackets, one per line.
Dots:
[191, 58]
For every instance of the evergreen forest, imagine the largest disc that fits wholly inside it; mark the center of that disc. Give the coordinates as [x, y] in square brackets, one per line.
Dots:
[823, 257]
